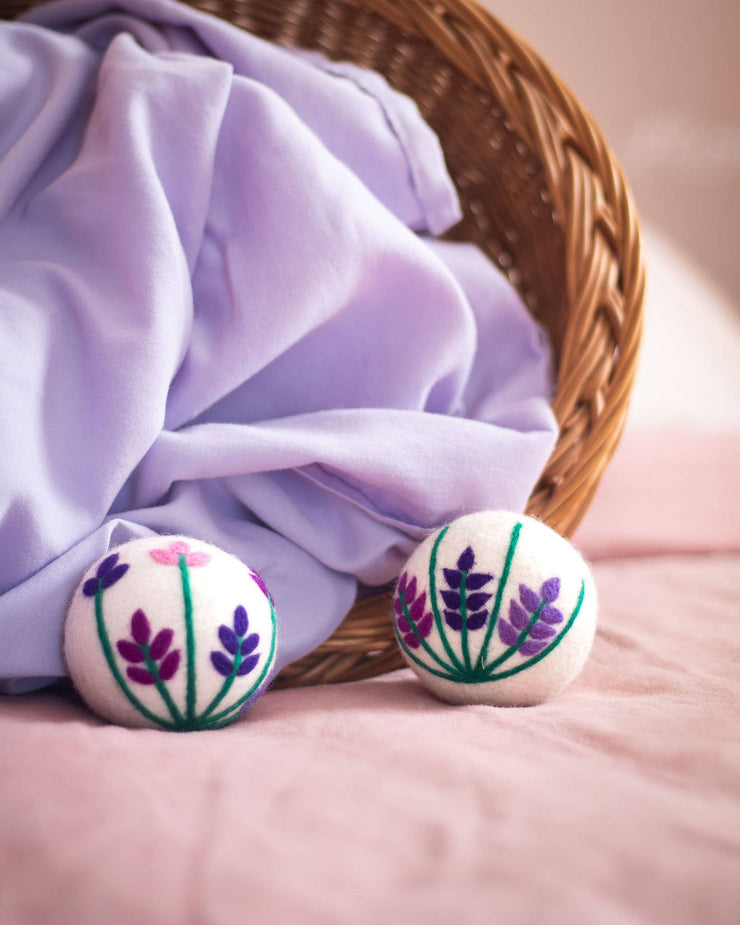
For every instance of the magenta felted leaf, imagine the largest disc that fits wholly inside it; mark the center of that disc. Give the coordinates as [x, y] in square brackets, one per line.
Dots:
[466, 560]
[247, 665]
[508, 634]
[530, 600]
[241, 620]
[410, 592]
[397, 606]
[417, 609]
[140, 675]
[518, 615]
[424, 626]
[411, 641]
[550, 590]
[551, 614]
[250, 643]
[402, 583]
[161, 643]
[140, 627]
[130, 651]
[403, 625]
[169, 665]
[228, 639]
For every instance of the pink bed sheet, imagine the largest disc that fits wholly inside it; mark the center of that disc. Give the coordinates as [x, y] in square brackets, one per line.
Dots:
[616, 803]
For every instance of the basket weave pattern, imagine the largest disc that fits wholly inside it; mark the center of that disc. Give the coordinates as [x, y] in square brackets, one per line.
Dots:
[542, 195]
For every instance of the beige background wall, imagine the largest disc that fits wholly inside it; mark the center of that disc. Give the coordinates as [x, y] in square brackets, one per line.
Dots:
[662, 79]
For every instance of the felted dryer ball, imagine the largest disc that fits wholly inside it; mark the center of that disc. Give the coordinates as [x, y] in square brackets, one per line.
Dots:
[171, 633]
[495, 608]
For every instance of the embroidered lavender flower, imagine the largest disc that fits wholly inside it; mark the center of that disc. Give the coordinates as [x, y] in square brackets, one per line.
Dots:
[106, 574]
[239, 645]
[412, 621]
[532, 619]
[177, 548]
[159, 663]
[464, 608]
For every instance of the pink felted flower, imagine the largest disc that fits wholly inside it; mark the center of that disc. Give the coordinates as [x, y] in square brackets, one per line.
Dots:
[177, 548]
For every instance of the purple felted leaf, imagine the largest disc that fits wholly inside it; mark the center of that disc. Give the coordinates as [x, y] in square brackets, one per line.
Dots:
[228, 639]
[507, 632]
[404, 625]
[452, 599]
[476, 580]
[541, 631]
[221, 663]
[169, 665]
[247, 665]
[90, 588]
[130, 651]
[453, 620]
[518, 615]
[417, 609]
[160, 644]
[241, 620]
[409, 594]
[140, 675]
[111, 577]
[140, 628]
[250, 643]
[106, 565]
[453, 577]
[466, 560]
[411, 641]
[528, 598]
[476, 601]
[551, 614]
[424, 626]
[397, 606]
[477, 620]
[531, 647]
[550, 590]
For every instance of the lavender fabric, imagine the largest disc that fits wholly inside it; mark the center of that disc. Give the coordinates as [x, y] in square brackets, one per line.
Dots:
[223, 314]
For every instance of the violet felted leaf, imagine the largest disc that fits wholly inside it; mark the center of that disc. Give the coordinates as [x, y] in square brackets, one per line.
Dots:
[454, 620]
[247, 665]
[106, 575]
[551, 614]
[477, 620]
[453, 577]
[550, 590]
[508, 634]
[221, 663]
[541, 631]
[466, 560]
[476, 580]
[478, 600]
[518, 616]
[229, 639]
[531, 647]
[241, 620]
[250, 643]
[452, 599]
[529, 598]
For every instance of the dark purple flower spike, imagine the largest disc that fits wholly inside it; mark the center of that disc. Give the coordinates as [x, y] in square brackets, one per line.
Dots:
[142, 650]
[536, 609]
[464, 584]
[416, 617]
[239, 645]
[106, 574]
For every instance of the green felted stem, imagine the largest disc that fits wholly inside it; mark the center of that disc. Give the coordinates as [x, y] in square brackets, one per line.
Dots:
[153, 669]
[493, 619]
[111, 660]
[226, 687]
[189, 639]
[465, 642]
[424, 644]
[439, 674]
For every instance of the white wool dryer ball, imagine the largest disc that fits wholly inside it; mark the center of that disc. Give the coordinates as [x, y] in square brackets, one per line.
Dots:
[171, 633]
[496, 608]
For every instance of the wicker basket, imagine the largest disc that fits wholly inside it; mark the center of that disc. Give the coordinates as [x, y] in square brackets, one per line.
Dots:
[542, 195]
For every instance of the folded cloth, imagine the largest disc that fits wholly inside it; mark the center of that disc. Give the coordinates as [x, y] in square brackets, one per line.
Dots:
[222, 314]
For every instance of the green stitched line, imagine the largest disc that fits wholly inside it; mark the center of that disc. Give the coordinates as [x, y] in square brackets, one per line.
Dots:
[457, 664]
[111, 660]
[493, 619]
[260, 679]
[464, 629]
[425, 645]
[161, 687]
[556, 642]
[448, 677]
[505, 656]
[189, 638]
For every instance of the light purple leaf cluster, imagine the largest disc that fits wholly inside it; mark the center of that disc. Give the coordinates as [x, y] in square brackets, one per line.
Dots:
[532, 619]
